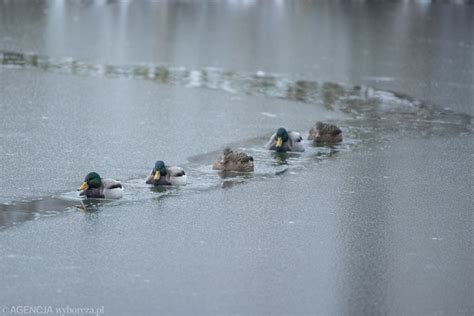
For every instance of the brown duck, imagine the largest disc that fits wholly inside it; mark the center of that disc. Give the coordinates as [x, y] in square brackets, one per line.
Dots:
[234, 161]
[325, 133]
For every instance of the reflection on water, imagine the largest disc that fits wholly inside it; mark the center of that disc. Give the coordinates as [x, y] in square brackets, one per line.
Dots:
[229, 175]
[159, 189]
[90, 205]
[385, 111]
[12, 214]
[231, 179]
[18, 212]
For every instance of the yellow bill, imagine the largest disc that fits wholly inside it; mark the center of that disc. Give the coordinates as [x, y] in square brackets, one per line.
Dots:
[84, 186]
[157, 176]
[279, 142]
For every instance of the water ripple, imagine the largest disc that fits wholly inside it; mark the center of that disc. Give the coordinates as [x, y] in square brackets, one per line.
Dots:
[390, 112]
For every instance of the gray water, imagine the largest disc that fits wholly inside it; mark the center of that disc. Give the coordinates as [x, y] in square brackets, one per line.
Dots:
[381, 223]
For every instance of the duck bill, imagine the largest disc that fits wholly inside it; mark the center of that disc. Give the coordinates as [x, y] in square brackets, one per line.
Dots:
[84, 186]
[279, 143]
[157, 176]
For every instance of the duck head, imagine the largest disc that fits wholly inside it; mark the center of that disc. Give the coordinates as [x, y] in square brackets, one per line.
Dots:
[281, 137]
[159, 170]
[92, 180]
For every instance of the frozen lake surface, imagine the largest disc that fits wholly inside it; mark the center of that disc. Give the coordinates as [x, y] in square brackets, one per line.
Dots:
[381, 223]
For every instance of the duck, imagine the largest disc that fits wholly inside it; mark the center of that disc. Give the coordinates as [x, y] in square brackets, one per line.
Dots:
[234, 161]
[283, 141]
[325, 133]
[166, 175]
[94, 187]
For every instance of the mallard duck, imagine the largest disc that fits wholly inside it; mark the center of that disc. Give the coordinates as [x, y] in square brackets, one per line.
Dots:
[97, 188]
[166, 175]
[234, 161]
[284, 140]
[325, 133]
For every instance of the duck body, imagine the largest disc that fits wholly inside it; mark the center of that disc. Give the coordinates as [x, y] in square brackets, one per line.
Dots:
[283, 141]
[166, 175]
[234, 161]
[325, 133]
[95, 187]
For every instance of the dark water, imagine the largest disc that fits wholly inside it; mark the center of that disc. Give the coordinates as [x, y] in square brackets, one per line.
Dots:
[381, 223]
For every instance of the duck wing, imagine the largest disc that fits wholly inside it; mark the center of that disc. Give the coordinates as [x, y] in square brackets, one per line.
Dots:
[330, 129]
[174, 171]
[111, 184]
[295, 136]
[242, 157]
[295, 141]
[235, 156]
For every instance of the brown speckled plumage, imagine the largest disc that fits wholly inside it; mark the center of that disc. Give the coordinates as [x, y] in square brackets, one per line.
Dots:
[234, 161]
[325, 133]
